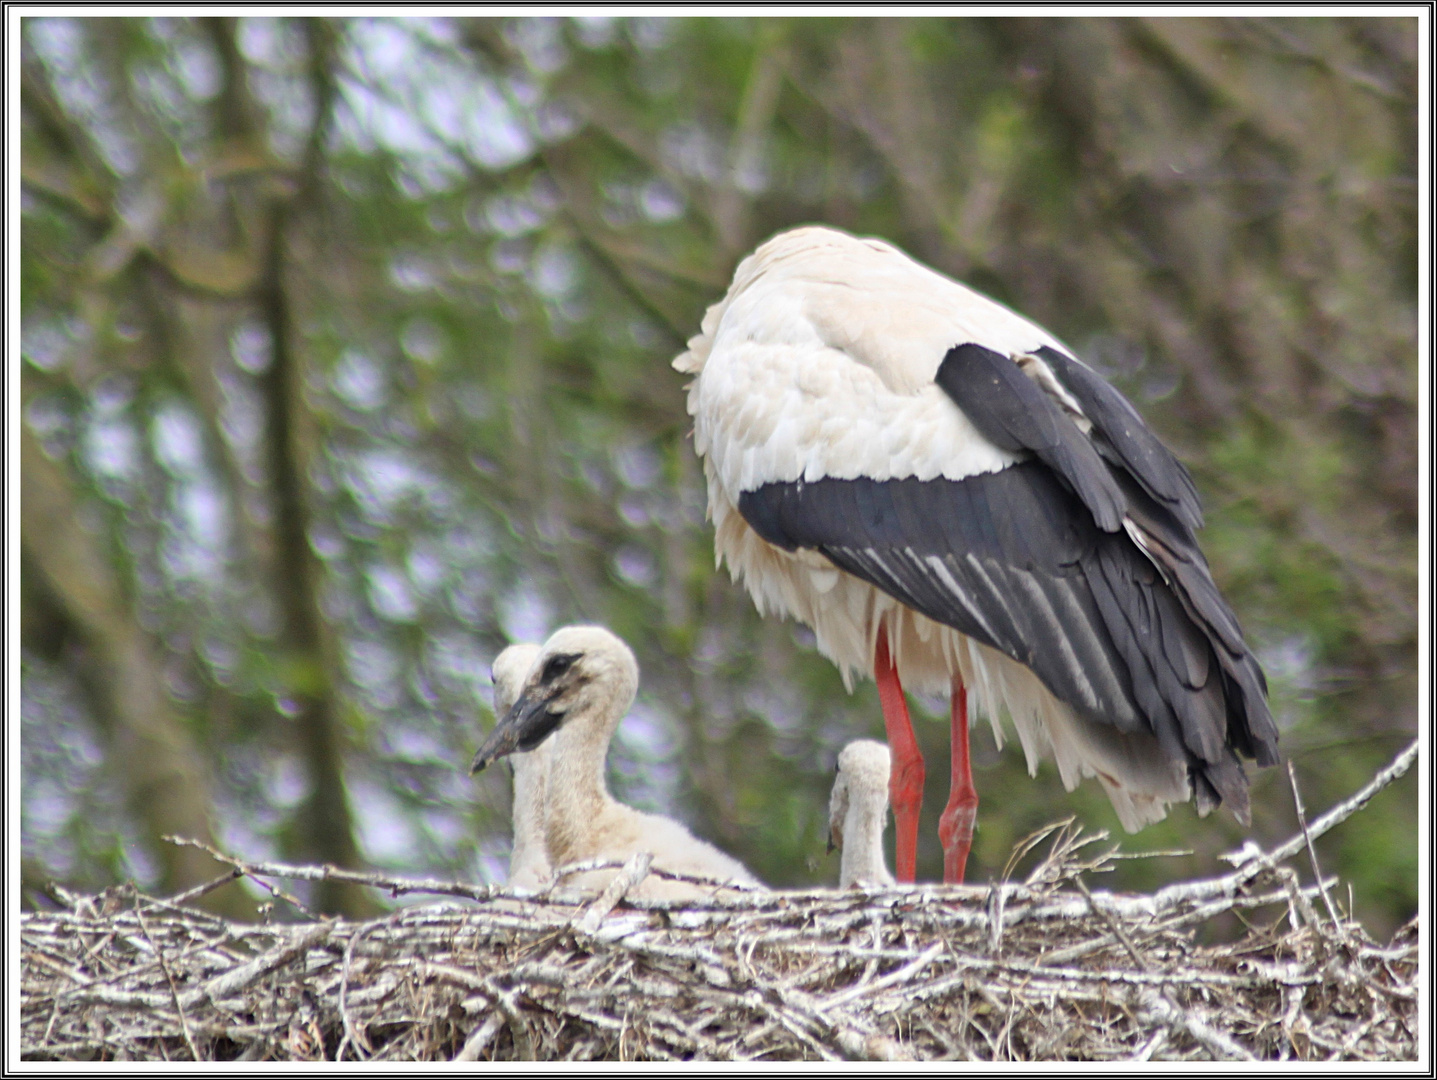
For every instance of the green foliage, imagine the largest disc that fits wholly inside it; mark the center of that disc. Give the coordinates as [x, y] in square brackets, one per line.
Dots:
[1273, 479]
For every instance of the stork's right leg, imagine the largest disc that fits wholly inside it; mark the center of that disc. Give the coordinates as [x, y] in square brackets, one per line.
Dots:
[905, 779]
[955, 824]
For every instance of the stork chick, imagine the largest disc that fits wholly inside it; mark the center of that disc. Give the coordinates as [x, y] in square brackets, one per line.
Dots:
[529, 866]
[580, 686]
[858, 813]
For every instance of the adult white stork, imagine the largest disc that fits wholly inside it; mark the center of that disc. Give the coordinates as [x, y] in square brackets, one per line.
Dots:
[954, 502]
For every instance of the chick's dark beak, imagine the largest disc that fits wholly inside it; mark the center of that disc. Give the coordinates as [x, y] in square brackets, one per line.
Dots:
[523, 727]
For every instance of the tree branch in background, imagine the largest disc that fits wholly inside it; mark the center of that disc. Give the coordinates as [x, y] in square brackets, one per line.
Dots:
[69, 167]
[733, 203]
[325, 829]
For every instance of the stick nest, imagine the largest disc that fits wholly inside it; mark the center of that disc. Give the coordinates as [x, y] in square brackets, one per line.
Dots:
[1045, 969]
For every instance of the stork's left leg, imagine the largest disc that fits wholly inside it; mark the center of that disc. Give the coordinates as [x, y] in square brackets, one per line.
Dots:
[905, 780]
[955, 826]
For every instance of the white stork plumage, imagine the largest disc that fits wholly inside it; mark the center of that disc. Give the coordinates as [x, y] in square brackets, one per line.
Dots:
[954, 502]
[577, 689]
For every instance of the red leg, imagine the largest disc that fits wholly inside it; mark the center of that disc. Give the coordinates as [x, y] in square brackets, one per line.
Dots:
[955, 826]
[905, 780]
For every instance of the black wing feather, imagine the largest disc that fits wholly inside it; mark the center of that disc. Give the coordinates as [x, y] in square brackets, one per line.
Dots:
[1133, 443]
[1014, 560]
[1125, 465]
[1014, 413]
[1009, 566]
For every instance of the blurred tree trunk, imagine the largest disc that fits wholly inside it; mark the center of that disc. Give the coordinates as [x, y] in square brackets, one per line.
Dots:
[151, 752]
[325, 830]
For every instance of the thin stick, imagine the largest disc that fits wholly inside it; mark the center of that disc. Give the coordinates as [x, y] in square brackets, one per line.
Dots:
[232, 982]
[394, 886]
[1311, 850]
[1113, 925]
[169, 978]
[1186, 1020]
[351, 1032]
[250, 870]
[584, 866]
[1344, 810]
[903, 974]
[518, 1026]
[481, 1037]
[208, 887]
[1250, 868]
[633, 872]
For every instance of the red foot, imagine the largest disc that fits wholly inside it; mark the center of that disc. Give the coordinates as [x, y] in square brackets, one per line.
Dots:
[955, 825]
[905, 780]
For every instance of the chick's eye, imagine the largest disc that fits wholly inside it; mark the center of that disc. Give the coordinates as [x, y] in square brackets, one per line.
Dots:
[556, 666]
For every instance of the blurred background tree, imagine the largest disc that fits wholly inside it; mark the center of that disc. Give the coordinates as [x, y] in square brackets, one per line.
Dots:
[346, 354]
